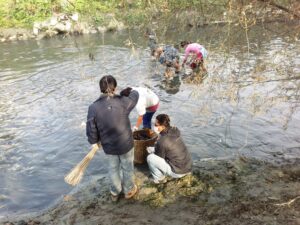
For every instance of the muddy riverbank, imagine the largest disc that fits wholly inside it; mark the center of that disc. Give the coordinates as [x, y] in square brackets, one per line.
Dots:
[237, 191]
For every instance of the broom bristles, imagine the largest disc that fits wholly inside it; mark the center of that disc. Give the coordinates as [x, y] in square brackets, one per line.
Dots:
[75, 175]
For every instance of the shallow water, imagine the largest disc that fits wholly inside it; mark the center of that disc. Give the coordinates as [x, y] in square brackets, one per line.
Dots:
[248, 104]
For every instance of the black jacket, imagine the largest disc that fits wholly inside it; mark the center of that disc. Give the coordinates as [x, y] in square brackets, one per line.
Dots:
[170, 147]
[108, 123]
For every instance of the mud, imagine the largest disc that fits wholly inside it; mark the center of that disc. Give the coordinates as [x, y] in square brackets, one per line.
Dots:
[237, 191]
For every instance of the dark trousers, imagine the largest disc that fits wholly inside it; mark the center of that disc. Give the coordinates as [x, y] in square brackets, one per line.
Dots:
[147, 117]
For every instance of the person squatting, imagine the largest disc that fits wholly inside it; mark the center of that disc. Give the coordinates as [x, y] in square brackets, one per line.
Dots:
[108, 124]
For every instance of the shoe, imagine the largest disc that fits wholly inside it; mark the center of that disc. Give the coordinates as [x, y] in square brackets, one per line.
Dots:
[131, 193]
[162, 181]
[114, 198]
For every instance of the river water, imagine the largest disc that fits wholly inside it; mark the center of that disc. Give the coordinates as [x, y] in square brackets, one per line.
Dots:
[247, 105]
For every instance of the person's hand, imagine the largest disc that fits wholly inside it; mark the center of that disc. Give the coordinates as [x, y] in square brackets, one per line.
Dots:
[126, 91]
[150, 150]
[96, 145]
[134, 128]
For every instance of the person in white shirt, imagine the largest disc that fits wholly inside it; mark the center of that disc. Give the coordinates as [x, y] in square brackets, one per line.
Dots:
[146, 106]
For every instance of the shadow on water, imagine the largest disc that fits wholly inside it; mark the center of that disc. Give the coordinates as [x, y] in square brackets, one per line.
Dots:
[171, 86]
[247, 105]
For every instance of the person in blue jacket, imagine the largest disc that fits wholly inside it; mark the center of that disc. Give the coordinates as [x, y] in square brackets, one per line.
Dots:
[169, 56]
[108, 124]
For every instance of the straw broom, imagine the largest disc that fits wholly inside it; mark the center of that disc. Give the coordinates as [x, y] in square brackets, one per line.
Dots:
[74, 176]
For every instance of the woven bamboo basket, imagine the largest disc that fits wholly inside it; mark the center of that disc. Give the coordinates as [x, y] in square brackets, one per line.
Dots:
[140, 145]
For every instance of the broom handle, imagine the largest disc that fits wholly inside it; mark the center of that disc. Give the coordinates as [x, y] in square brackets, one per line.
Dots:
[94, 150]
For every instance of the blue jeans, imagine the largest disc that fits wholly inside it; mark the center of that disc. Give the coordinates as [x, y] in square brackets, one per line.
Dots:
[159, 168]
[121, 172]
[147, 117]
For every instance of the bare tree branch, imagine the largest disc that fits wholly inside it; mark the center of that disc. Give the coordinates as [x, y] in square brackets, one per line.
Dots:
[281, 7]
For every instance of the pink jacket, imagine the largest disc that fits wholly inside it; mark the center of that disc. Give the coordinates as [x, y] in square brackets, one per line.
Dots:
[195, 48]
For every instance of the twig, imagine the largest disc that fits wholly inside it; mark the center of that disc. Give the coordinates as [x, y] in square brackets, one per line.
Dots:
[71, 3]
[283, 8]
[288, 203]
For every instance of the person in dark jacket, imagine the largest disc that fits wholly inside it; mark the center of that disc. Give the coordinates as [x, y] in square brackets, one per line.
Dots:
[152, 40]
[168, 56]
[170, 157]
[108, 123]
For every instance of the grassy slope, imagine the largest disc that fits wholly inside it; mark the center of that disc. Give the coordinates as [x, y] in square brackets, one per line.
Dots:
[22, 13]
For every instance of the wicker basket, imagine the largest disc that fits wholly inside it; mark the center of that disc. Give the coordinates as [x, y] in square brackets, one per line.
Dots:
[140, 146]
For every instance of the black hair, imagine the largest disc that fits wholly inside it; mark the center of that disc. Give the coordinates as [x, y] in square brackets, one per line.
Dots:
[183, 43]
[163, 120]
[107, 84]
[126, 91]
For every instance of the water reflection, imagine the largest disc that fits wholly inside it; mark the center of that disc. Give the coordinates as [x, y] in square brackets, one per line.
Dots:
[171, 86]
[248, 104]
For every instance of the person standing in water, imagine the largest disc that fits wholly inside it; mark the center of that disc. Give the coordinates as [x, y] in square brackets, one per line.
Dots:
[198, 52]
[152, 41]
[168, 56]
[146, 106]
[108, 123]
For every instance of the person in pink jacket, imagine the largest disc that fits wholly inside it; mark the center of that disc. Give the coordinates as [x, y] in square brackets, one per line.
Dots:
[198, 53]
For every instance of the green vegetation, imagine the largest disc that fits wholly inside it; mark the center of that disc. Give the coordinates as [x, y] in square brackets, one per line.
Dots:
[23, 13]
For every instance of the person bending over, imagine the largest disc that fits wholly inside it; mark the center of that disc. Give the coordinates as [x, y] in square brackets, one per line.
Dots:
[146, 106]
[169, 156]
[168, 56]
[198, 53]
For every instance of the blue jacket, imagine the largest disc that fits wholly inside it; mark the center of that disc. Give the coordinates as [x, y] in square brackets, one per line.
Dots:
[108, 123]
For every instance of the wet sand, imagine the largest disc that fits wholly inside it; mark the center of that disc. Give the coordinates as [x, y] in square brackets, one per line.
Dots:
[237, 191]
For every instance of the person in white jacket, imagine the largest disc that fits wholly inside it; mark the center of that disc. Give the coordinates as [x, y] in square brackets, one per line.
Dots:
[146, 106]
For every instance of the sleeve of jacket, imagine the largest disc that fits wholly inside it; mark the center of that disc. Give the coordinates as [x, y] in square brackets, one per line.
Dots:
[91, 126]
[131, 100]
[160, 149]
